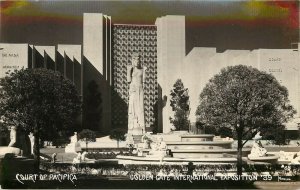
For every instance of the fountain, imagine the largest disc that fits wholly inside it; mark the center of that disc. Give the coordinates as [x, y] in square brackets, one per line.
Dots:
[180, 149]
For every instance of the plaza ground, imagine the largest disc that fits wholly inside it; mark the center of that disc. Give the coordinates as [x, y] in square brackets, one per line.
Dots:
[61, 155]
[68, 157]
[101, 183]
[277, 185]
[114, 182]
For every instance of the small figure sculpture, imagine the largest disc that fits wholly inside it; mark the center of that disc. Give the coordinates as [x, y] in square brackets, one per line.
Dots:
[296, 159]
[136, 78]
[154, 147]
[53, 157]
[129, 139]
[130, 142]
[162, 145]
[146, 144]
[158, 149]
[147, 140]
[77, 159]
[83, 156]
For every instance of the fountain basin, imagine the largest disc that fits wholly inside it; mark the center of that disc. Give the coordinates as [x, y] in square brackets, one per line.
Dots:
[200, 145]
[269, 158]
[171, 161]
[214, 153]
[197, 138]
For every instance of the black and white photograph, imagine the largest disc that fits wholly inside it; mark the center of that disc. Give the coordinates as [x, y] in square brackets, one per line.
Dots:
[150, 94]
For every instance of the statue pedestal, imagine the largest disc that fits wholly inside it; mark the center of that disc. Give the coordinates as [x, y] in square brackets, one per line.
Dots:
[6, 150]
[136, 131]
[73, 147]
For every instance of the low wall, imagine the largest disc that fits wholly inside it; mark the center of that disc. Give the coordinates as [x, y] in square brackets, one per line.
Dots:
[10, 166]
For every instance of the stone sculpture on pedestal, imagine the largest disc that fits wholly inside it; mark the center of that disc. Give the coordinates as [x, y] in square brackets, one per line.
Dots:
[257, 150]
[77, 159]
[74, 145]
[18, 145]
[136, 79]
[31, 137]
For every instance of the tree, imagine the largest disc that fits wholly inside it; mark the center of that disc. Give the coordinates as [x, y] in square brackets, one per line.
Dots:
[4, 134]
[38, 101]
[92, 106]
[87, 136]
[245, 99]
[225, 132]
[180, 105]
[277, 134]
[118, 134]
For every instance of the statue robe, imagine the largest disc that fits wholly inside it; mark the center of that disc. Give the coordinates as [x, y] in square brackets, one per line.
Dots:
[136, 116]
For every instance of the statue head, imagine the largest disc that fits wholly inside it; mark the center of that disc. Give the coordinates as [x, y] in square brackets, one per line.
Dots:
[136, 60]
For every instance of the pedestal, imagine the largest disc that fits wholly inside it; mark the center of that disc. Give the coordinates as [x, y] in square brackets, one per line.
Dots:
[136, 131]
[73, 148]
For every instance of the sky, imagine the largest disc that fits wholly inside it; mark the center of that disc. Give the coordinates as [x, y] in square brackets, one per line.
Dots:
[221, 24]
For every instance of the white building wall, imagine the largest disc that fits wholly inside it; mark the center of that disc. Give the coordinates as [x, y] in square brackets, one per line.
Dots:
[97, 60]
[13, 57]
[170, 55]
[282, 63]
[93, 39]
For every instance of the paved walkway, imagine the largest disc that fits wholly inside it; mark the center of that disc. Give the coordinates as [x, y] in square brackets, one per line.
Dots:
[278, 185]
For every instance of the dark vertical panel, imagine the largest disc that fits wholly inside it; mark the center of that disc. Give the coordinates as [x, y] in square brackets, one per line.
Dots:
[77, 75]
[69, 69]
[45, 59]
[60, 63]
[33, 57]
[50, 64]
[30, 57]
[39, 60]
[108, 56]
[104, 47]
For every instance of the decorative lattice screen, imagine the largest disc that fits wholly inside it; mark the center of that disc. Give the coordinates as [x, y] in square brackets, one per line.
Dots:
[126, 40]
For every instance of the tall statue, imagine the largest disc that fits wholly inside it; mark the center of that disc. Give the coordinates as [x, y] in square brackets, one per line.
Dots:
[136, 78]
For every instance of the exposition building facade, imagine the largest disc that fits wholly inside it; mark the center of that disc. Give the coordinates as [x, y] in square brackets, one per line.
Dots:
[107, 50]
